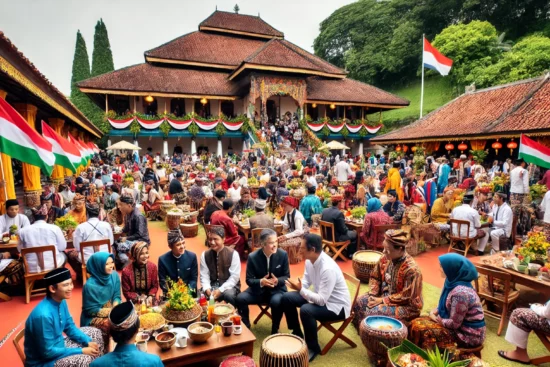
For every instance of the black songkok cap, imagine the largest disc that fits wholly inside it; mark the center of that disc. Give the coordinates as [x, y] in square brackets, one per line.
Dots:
[220, 194]
[123, 316]
[228, 204]
[11, 202]
[57, 276]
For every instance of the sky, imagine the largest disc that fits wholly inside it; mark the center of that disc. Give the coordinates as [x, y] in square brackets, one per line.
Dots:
[45, 30]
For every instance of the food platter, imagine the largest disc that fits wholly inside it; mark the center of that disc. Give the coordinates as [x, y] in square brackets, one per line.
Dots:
[383, 323]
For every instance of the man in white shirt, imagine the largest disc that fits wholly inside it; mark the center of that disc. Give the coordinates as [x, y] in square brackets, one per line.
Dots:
[234, 192]
[545, 207]
[519, 183]
[328, 301]
[506, 166]
[311, 179]
[42, 234]
[501, 218]
[91, 230]
[342, 170]
[12, 217]
[467, 213]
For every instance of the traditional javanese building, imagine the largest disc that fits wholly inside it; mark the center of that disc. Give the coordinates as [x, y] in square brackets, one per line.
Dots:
[36, 99]
[199, 89]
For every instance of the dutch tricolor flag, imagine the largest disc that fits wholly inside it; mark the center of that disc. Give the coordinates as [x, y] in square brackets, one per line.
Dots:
[433, 59]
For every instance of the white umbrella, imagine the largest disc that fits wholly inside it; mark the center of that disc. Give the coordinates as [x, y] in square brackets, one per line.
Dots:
[123, 145]
[334, 145]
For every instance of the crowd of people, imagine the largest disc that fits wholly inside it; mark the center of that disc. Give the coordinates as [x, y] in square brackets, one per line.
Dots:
[109, 197]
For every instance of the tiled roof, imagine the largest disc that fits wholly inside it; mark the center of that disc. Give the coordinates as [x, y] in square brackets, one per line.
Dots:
[240, 23]
[209, 48]
[349, 90]
[470, 114]
[282, 53]
[148, 78]
[27, 68]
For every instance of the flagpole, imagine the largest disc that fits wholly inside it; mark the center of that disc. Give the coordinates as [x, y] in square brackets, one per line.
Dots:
[3, 178]
[422, 83]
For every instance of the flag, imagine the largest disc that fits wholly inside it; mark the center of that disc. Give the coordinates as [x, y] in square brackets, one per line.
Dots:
[20, 141]
[532, 152]
[66, 153]
[434, 60]
[83, 154]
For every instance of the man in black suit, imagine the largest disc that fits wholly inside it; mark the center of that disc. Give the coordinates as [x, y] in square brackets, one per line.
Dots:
[341, 231]
[266, 272]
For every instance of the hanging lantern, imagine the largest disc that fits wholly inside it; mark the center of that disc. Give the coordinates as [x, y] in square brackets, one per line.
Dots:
[462, 147]
[496, 146]
[449, 147]
[314, 105]
[512, 145]
[149, 99]
[398, 148]
[414, 148]
[204, 101]
[332, 106]
[405, 148]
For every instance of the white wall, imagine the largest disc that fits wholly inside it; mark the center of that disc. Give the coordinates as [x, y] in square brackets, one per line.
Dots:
[156, 143]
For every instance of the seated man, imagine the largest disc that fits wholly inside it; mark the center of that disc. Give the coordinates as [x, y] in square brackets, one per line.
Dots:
[341, 231]
[293, 222]
[328, 301]
[501, 218]
[266, 272]
[178, 263]
[261, 219]
[13, 218]
[53, 211]
[135, 229]
[441, 210]
[232, 237]
[395, 284]
[245, 202]
[220, 269]
[467, 213]
[394, 208]
[124, 328]
[213, 205]
[42, 233]
[45, 344]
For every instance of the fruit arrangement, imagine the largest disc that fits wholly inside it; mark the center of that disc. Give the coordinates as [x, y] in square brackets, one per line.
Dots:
[253, 182]
[536, 246]
[66, 222]
[180, 305]
[295, 184]
[248, 213]
[358, 212]
[537, 191]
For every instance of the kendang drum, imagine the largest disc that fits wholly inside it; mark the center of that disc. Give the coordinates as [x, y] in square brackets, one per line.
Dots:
[379, 333]
[238, 361]
[173, 220]
[284, 350]
[189, 229]
[364, 262]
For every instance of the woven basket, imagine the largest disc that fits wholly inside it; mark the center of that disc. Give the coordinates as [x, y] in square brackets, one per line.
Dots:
[364, 262]
[412, 247]
[189, 230]
[182, 316]
[428, 232]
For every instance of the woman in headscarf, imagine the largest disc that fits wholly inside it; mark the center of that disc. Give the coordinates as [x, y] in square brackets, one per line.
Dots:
[100, 293]
[375, 216]
[79, 210]
[458, 320]
[140, 277]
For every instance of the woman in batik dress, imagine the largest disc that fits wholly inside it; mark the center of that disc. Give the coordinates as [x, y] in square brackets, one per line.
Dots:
[140, 277]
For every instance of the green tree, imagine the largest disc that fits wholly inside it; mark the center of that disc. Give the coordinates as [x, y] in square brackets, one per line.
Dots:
[102, 58]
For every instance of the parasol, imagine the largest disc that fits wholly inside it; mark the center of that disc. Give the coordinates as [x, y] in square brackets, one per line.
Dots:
[334, 145]
[123, 145]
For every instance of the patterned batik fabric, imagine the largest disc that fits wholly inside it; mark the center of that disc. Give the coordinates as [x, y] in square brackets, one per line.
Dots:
[527, 320]
[79, 360]
[426, 333]
[101, 321]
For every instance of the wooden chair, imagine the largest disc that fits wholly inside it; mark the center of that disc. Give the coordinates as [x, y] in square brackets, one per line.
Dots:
[380, 229]
[504, 300]
[18, 347]
[339, 334]
[255, 235]
[457, 239]
[545, 340]
[30, 278]
[264, 310]
[329, 243]
[95, 245]
[3, 296]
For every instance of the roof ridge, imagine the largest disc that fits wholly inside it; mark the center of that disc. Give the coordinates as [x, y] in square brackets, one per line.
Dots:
[380, 89]
[259, 50]
[168, 42]
[309, 55]
[245, 15]
[507, 85]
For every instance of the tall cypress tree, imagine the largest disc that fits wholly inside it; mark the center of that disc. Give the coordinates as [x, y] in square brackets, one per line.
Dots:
[102, 58]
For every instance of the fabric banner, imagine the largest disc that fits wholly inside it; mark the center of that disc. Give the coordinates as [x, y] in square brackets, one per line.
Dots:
[121, 124]
[373, 130]
[149, 124]
[315, 127]
[206, 125]
[232, 126]
[335, 128]
[354, 129]
[179, 125]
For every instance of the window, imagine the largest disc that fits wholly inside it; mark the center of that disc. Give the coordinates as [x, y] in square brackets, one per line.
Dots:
[177, 106]
[228, 109]
[202, 110]
[150, 108]
[119, 104]
[313, 112]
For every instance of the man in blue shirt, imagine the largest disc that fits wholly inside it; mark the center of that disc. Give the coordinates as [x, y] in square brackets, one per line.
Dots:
[44, 342]
[124, 328]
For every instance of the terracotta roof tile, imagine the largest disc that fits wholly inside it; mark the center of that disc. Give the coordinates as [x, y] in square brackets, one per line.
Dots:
[469, 114]
[240, 23]
[149, 78]
[205, 48]
[282, 53]
[349, 90]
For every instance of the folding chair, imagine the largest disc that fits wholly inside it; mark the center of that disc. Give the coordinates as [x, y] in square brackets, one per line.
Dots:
[545, 340]
[18, 347]
[264, 310]
[31, 278]
[457, 239]
[339, 334]
[95, 245]
[505, 300]
[327, 233]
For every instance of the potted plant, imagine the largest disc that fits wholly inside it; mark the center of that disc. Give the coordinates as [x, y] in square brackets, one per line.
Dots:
[358, 213]
[67, 224]
[181, 307]
[249, 213]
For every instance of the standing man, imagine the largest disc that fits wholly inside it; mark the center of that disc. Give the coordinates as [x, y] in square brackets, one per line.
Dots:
[342, 170]
[443, 175]
[12, 217]
[341, 231]
[501, 219]
[50, 319]
[135, 229]
[328, 301]
[519, 183]
[266, 272]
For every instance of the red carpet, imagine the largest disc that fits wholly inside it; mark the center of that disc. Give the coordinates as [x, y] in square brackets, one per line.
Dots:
[16, 310]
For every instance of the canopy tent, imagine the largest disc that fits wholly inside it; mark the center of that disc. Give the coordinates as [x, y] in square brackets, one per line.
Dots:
[123, 145]
[334, 145]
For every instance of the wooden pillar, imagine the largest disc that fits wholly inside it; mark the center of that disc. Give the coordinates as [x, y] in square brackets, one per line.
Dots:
[58, 173]
[31, 174]
[7, 188]
[106, 104]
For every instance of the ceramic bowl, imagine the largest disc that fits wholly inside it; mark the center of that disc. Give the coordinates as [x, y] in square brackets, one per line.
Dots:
[165, 340]
[200, 336]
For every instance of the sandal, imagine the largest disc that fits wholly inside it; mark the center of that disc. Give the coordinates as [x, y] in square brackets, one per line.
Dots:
[502, 354]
